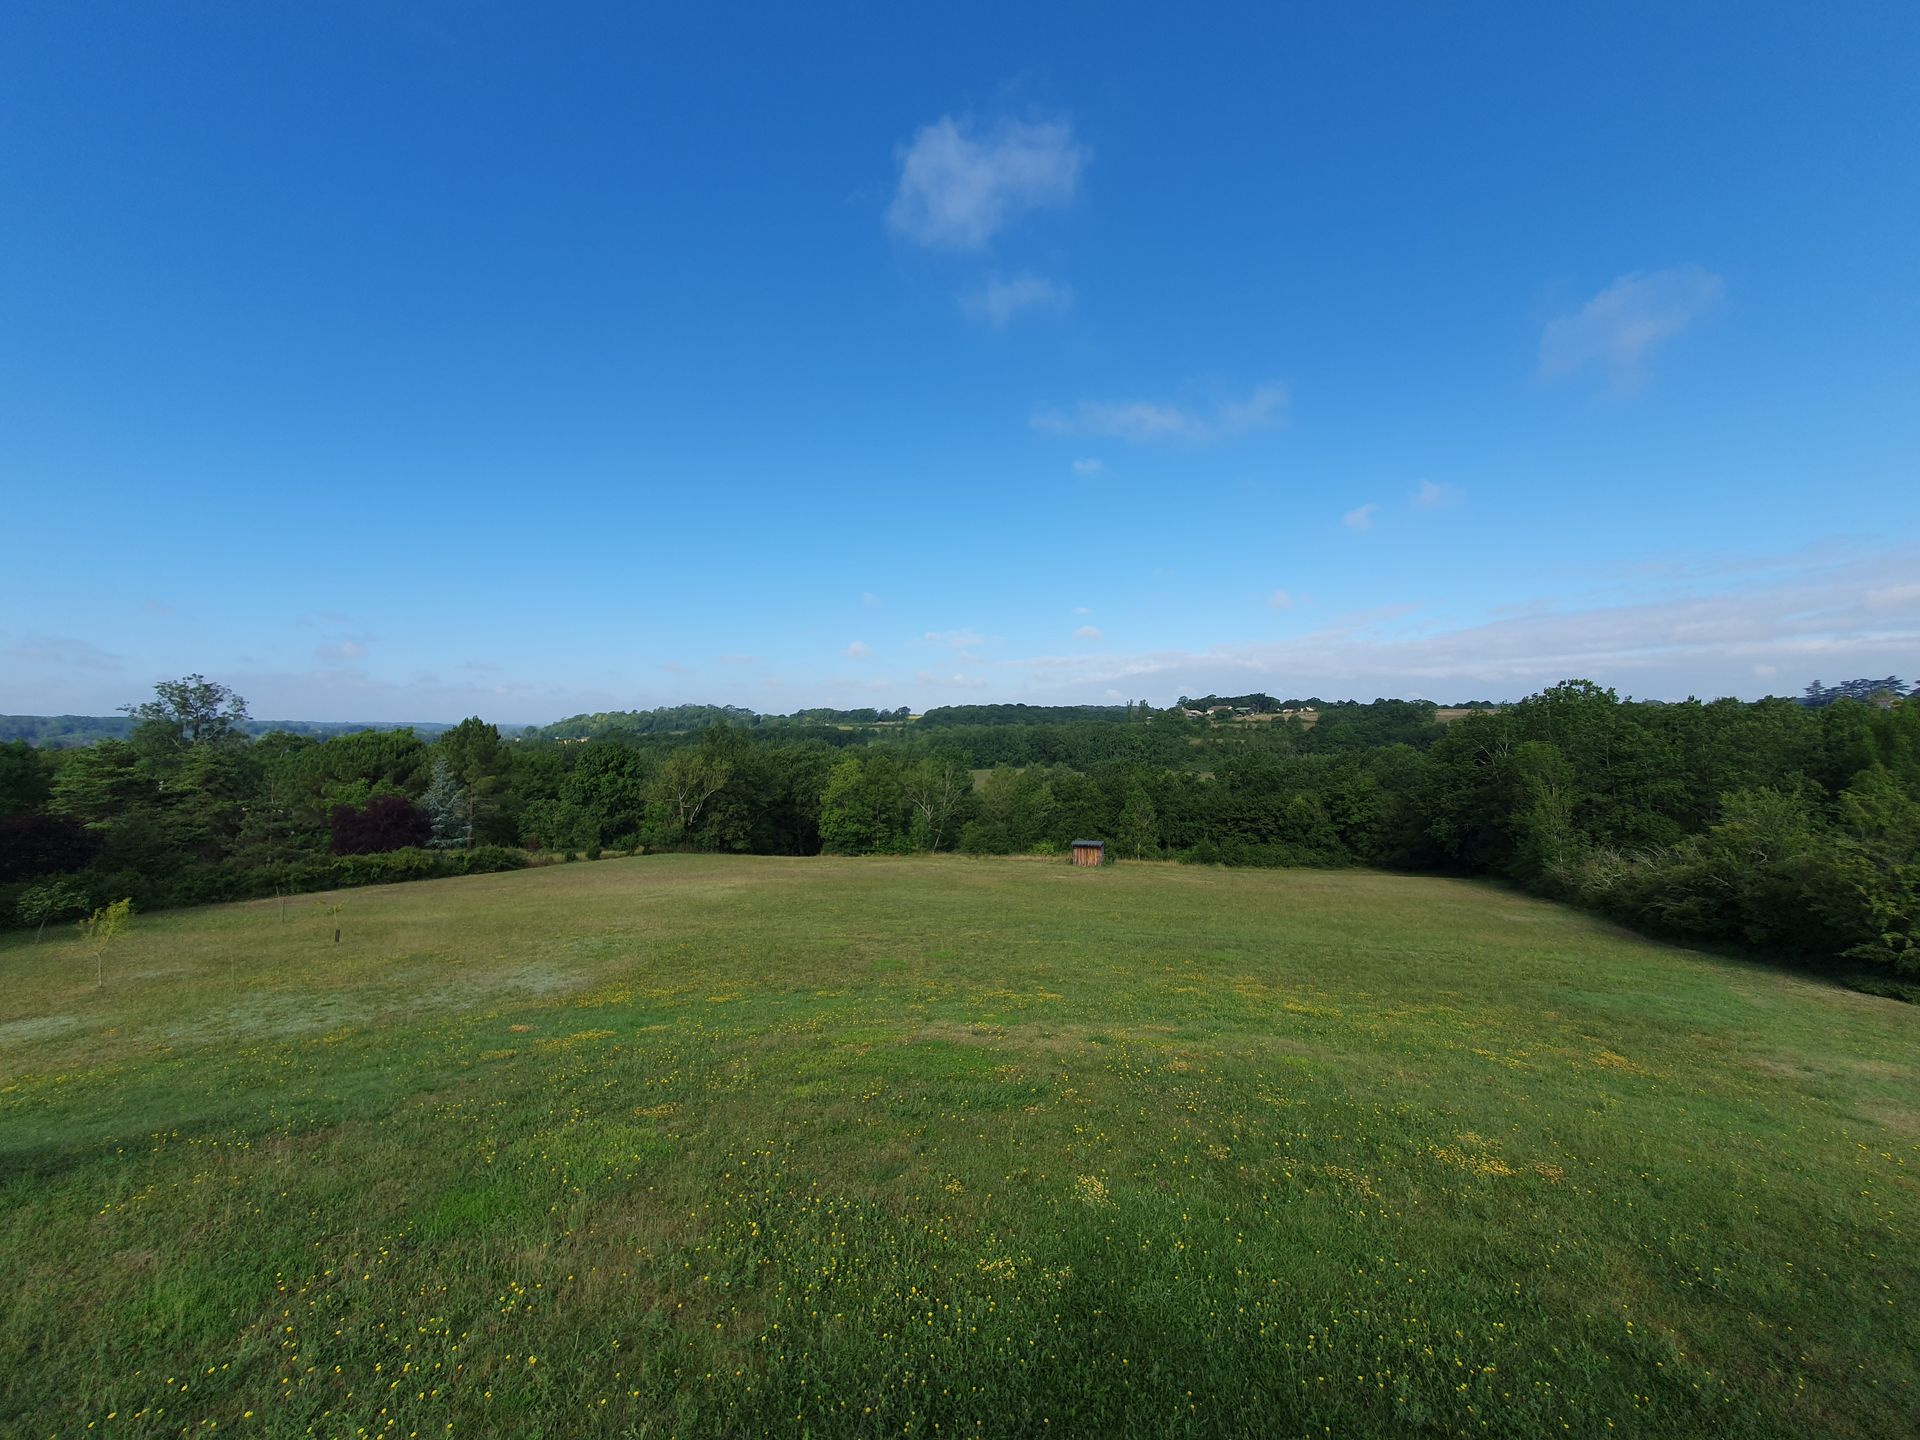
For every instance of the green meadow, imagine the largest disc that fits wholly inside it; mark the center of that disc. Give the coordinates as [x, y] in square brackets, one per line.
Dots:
[709, 1146]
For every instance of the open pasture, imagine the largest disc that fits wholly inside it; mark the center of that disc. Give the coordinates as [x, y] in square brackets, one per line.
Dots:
[727, 1146]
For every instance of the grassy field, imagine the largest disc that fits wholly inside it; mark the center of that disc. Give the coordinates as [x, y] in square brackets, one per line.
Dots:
[707, 1146]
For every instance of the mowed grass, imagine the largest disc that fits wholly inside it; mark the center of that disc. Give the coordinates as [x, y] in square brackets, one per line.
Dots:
[711, 1146]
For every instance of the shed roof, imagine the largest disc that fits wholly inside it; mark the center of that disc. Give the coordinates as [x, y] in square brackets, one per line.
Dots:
[1097, 844]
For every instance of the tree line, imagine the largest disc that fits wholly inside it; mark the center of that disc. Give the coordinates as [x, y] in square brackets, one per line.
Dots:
[1773, 824]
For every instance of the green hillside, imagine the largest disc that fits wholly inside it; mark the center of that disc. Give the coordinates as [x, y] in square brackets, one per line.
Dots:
[698, 1145]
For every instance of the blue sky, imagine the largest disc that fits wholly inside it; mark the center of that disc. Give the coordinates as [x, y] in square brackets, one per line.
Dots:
[393, 361]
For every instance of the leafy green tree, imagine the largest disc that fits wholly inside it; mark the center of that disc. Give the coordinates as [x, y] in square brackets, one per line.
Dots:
[26, 778]
[101, 929]
[1871, 885]
[206, 797]
[864, 809]
[473, 752]
[940, 790]
[54, 900]
[1016, 811]
[1544, 786]
[40, 844]
[681, 790]
[190, 711]
[1137, 836]
[311, 781]
[98, 785]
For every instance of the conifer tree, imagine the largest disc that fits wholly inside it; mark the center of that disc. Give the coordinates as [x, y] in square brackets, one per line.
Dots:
[446, 805]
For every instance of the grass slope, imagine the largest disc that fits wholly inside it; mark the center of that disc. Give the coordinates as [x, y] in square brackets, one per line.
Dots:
[711, 1146]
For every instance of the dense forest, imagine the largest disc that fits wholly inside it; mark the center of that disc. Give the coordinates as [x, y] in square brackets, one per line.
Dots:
[1787, 826]
[63, 732]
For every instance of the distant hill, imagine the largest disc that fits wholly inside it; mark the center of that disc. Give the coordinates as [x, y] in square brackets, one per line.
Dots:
[66, 732]
[681, 719]
[1014, 714]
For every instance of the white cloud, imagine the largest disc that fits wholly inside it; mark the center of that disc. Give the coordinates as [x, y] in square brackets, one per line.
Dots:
[960, 185]
[858, 650]
[1142, 421]
[1280, 600]
[1083, 609]
[1089, 632]
[1617, 330]
[965, 638]
[871, 600]
[1087, 467]
[1429, 496]
[999, 300]
[343, 652]
[1360, 517]
[1707, 632]
[1267, 404]
[1894, 597]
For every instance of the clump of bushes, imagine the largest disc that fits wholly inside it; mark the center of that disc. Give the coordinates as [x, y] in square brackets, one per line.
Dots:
[384, 823]
[1775, 873]
[384, 868]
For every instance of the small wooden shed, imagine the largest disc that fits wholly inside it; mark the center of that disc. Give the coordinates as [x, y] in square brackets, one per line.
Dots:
[1089, 852]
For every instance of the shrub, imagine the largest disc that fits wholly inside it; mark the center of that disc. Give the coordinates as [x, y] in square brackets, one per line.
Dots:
[386, 822]
[489, 859]
[979, 838]
[382, 868]
[35, 845]
[51, 900]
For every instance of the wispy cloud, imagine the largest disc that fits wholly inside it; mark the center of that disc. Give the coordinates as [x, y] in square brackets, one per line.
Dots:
[349, 692]
[1087, 467]
[964, 681]
[1619, 329]
[960, 184]
[858, 650]
[1360, 517]
[1905, 596]
[1280, 600]
[342, 653]
[1089, 632]
[1711, 632]
[59, 652]
[1430, 496]
[965, 638]
[1000, 299]
[1142, 421]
